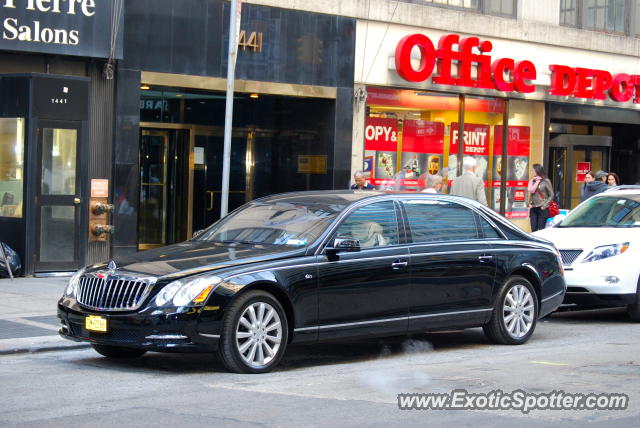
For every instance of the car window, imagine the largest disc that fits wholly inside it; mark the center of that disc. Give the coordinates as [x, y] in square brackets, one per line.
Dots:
[374, 225]
[606, 211]
[488, 230]
[433, 221]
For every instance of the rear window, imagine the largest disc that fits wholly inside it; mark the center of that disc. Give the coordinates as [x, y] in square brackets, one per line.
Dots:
[435, 221]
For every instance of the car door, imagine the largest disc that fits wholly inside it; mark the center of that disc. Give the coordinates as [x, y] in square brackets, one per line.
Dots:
[452, 266]
[365, 292]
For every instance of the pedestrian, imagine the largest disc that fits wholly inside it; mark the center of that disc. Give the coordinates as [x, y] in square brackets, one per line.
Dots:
[469, 184]
[613, 179]
[596, 186]
[361, 182]
[434, 184]
[588, 178]
[541, 191]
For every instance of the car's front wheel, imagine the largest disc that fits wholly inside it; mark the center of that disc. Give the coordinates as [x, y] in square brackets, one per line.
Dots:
[634, 309]
[254, 333]
[118, 351]
[515, 313]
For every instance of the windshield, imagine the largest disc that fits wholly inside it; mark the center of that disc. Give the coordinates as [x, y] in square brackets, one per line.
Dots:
[606, 211]
[276, 223]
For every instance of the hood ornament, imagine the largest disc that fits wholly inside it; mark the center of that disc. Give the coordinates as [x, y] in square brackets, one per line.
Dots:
[112, 267]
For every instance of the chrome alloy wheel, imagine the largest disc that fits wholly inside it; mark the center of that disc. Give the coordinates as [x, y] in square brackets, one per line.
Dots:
[258, 334]
[518, 311]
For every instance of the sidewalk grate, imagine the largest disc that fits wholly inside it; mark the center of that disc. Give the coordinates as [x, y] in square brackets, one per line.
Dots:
[12, 330]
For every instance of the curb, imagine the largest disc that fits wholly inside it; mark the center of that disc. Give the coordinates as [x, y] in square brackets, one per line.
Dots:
[34, 345]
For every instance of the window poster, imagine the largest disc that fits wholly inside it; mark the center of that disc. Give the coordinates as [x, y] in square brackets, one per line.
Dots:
[380, 151]
[476, 144]
[422, 151]
[518, 151]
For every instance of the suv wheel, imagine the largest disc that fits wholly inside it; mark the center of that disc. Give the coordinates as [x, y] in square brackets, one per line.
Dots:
[634, 309]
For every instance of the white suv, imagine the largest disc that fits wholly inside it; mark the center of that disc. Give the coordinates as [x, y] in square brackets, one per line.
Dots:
[600, 246]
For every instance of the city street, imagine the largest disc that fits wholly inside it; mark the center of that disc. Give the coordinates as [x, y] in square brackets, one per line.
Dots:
[337, 384]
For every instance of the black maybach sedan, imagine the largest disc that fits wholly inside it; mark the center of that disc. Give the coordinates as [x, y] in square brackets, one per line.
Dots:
[313, 266]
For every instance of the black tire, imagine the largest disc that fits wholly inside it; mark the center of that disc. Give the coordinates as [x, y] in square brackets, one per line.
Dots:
[118, 351]
[634, 309]
[256, 341]
[497, 329]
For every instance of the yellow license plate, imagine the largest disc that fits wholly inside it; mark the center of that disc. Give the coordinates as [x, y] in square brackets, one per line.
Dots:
[96, 323]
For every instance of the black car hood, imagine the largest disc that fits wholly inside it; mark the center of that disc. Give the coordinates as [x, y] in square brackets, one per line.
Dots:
[193, 257]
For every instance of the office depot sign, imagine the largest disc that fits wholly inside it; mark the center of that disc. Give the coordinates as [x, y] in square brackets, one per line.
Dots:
[504, 74]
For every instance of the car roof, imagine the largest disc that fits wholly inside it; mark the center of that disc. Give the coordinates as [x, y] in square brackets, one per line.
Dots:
[347, 197]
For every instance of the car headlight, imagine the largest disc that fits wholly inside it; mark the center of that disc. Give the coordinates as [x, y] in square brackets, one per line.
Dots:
[185, 291]
[605, 251]
[72, 287]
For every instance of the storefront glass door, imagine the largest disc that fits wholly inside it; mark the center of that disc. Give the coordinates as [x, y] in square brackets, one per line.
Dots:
[58, 200]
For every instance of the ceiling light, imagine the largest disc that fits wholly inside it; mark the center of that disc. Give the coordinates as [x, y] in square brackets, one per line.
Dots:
[145, 87]
[253, 95]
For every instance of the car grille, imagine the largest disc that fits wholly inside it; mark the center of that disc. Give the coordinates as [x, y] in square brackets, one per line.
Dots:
[112, 294]
[569, 256]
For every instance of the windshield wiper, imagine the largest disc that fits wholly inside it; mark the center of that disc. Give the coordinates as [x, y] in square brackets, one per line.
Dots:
[239, 241]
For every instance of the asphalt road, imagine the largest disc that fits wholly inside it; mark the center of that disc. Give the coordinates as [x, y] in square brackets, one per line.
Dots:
[337, 384]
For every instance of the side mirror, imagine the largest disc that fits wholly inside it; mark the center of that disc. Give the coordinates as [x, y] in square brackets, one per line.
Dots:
[345, 245]
[197, 233]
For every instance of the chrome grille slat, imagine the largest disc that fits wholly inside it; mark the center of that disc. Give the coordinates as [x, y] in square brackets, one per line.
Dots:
[113, 293]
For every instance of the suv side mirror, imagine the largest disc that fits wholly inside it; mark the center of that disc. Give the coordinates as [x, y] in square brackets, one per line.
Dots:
[345, 245]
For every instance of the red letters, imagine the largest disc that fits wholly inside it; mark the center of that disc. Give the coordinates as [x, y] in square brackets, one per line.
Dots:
[563, 80]
[622, 88]
[525, 70]
[504, 74]
[427, 58]
[451, 50]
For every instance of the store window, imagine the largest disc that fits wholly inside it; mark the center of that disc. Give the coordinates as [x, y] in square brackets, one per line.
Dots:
[407, 136]
[11, 166]
[412, 134]
[482, 118]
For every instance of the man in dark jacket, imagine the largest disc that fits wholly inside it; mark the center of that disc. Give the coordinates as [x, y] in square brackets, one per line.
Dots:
[598, 185]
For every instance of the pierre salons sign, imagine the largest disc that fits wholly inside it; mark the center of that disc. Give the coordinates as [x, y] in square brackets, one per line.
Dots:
[66, 27]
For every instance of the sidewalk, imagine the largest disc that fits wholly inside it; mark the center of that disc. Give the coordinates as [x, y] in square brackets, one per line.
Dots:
[28, 320]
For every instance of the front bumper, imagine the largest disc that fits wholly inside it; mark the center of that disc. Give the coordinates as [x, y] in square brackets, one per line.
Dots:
[176, 330]
[602, 278]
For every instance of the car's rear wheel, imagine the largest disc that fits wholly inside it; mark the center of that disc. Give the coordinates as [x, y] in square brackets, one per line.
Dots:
[118, 351]
[514, 314]
[634, 309]
[254, 333]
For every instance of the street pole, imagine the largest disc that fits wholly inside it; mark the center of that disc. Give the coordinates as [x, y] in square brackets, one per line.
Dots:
[234, 31]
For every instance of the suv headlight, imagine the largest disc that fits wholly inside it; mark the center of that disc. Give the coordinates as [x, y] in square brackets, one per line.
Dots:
[185, 291]
[72, 287]
[605, 251]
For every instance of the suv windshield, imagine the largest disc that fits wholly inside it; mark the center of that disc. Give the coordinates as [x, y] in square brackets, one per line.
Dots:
[606, 211]
[277, 223]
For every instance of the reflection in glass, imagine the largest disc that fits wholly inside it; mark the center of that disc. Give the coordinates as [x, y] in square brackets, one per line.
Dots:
[153, 189]
[57, 234]
[11, 166]
[58, 161]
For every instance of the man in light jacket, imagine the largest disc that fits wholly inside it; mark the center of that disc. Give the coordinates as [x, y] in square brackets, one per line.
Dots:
[469, 184]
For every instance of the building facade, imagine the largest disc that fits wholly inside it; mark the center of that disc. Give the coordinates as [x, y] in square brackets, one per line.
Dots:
[122, 103]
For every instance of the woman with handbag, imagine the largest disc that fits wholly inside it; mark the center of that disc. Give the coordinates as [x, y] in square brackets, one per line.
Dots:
[541, 196]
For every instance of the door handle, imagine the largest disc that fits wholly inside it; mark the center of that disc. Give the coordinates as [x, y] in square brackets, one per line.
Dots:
[485, 258]
[76, 201]
[399, 264]
[210, 193]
